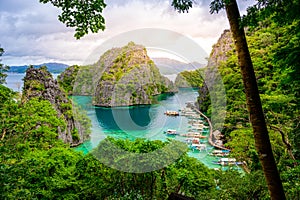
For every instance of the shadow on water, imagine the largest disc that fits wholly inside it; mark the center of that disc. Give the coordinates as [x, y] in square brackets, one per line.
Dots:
[124, 118]
[131, 118]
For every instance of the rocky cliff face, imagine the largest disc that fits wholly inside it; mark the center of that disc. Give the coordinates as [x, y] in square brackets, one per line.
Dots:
[192, 78]
[129, 77]
[80, 80]
[217, 56]
[218, 53]
[181, 82]
[39, 83]
[67, 78]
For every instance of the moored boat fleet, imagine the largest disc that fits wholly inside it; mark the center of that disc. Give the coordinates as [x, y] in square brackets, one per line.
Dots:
[196, 137]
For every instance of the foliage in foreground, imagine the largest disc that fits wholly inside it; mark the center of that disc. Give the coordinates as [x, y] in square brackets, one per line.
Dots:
[3, 68]
[34, 164]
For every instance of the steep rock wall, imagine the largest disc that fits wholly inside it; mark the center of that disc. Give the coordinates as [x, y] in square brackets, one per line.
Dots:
[129, 77]
[39, 83]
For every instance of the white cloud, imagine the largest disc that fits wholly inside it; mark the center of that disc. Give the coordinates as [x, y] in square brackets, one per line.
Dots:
[31, 33]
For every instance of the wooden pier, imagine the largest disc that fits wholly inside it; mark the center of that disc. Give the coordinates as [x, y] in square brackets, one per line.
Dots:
[210, 140]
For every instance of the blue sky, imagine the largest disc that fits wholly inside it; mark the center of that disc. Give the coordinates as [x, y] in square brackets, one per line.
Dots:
[31, 34]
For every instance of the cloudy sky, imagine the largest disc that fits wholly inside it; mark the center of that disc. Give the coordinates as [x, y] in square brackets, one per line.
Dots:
[30, 32]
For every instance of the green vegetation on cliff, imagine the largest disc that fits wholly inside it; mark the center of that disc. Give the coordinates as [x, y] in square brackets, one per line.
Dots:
[80, 80]
[3, 68]
[122, 76]
[192, 78]
[276, 80]
[274, 48]
[129, 78]
[67, 78]
[39, 84]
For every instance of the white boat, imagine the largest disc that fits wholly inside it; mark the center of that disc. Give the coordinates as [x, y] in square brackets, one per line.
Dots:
[199, 147]
[171, 132]
[171, 113]
[193, 134]
[198, 124]
[195, 121]
[219, 153]
[193, 140]
[227, 161]
[198, 128]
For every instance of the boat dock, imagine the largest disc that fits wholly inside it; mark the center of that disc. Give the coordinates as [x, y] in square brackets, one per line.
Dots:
[199, 133]
[210, 138]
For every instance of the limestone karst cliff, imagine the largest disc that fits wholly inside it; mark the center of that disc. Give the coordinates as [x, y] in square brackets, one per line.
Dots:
[121, 77]
[130, 78]
[39, 83]
[217, 56]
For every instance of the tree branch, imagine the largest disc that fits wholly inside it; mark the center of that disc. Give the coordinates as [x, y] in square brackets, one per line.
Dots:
[3, 134]
[285, 141]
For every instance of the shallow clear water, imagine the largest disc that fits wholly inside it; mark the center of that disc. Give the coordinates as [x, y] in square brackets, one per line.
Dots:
[147, 121]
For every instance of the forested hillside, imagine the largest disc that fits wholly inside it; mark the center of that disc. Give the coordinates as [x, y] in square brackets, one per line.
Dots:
[36, 163]
[274, 49]
[273, 41]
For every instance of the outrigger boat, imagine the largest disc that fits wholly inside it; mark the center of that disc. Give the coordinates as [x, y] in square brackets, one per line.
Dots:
[171, 113]
[197, 123]
[171, 132]
[227, 161]
[220, 153]
[193, 141]
[197, 128]
[193, 116]
[193, 134]
[193, 121]
[199, 147]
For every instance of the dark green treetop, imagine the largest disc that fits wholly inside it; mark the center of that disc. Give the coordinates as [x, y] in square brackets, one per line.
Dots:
[3, 68]
[84, 15]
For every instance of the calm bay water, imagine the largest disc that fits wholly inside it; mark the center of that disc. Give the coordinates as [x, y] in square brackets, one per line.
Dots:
[148, 122]
[135, 121]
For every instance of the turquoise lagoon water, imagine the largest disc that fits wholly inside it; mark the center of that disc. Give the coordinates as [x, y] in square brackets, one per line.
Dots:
[147, 121]
[135, 121]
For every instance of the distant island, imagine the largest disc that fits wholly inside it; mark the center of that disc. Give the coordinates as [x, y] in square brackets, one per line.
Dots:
[55, 68]
[166, 66]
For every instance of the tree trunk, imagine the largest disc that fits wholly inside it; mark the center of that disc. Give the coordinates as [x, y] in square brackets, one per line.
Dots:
[260, 131]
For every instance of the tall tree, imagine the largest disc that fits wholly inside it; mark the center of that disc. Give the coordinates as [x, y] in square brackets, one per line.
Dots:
[257, 119]
[260, 131]
[3, 68]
